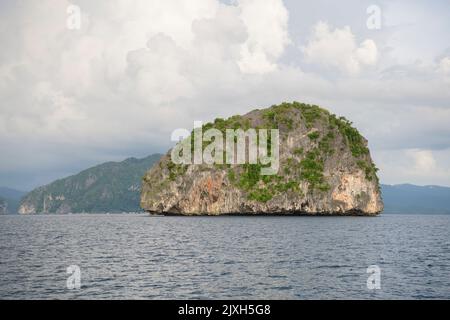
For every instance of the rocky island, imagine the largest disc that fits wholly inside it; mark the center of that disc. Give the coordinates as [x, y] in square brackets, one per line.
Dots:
[325, 168]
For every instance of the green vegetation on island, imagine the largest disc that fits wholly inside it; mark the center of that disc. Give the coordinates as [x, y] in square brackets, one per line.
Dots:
[325, 129]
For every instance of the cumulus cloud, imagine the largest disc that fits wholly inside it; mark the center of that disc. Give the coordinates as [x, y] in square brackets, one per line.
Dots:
[339, 49]
[424, 161]
[146, 40]
[426, 167]
[133, 72]
[267, 32]
[444, 65]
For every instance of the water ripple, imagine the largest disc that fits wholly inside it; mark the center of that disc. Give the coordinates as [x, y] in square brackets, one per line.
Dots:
[140, 257]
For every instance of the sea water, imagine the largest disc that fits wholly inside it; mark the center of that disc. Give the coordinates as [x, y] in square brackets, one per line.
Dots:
[129, 256]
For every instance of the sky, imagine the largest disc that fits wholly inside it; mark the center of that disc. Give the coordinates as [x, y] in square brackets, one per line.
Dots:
[84, 82]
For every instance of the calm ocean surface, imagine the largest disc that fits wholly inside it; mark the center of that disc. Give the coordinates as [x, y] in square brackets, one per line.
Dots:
[141, 257]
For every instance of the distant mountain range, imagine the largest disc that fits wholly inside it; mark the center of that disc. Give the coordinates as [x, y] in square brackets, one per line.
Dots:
[9, 200]
[115, 187]
[108, 187]
[408, 198]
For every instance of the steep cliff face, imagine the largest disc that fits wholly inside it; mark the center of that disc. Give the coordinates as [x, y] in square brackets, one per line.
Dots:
[325, 168]
[109, 187]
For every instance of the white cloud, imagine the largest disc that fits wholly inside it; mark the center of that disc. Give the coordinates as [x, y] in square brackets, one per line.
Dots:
[134, 71]
[424, 162]
[266, 23]
[338, 49]
[444, 65]
[155, 74]
[425, 167]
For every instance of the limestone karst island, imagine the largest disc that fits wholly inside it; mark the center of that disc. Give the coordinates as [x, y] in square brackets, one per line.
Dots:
[325, 168]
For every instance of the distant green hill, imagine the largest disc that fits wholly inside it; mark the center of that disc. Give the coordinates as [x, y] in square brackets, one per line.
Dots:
[408, 198]
[109, 187]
